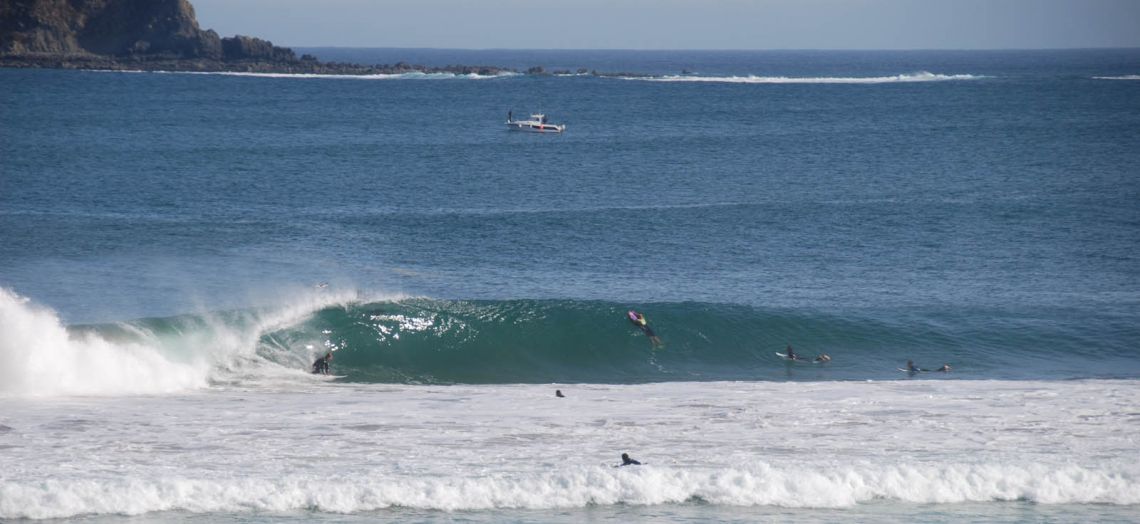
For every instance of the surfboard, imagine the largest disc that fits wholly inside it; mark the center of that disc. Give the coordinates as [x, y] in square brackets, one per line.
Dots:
[800, 359]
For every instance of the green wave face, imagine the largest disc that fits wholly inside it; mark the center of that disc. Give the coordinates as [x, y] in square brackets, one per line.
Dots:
[423, 341]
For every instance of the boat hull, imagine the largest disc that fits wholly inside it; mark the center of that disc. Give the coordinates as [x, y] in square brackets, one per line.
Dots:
[534, 127]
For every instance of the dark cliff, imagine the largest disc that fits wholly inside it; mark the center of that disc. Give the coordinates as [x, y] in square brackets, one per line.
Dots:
[118, 28]
[149, 35]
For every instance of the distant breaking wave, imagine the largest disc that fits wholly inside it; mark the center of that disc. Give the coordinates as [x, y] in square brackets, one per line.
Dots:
[415, 75]
[921, 76]
[1125, 77]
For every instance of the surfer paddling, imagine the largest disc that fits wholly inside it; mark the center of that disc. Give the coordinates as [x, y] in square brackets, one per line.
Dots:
[790, 354]
[912, 369]
[638, 319]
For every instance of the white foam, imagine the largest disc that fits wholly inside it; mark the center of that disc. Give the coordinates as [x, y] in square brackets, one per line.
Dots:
[1125, 77]
[348, 448]
[414, 75]
[573, 487]
[39, 356]
[921, 76]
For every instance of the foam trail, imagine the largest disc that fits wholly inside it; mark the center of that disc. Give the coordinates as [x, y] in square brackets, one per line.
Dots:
[40, 357]
[393, 76]
[577, 487]
[921, 76]
[1124, 77]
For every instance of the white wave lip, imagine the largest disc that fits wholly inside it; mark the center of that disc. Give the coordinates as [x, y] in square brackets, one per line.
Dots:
[40, 356]
[921, 76]
[1124, 77]
[756, 485]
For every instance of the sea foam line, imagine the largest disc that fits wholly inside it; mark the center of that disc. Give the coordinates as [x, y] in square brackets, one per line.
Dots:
[416, 75]
[1124, 77]
[577, 487]
[921, 76]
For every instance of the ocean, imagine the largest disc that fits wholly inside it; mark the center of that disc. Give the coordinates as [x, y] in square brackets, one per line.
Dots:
[177, 249]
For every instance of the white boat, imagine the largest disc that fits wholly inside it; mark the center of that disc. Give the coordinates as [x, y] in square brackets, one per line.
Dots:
[537, 124]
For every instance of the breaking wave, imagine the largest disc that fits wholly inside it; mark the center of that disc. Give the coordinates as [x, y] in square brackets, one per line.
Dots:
[428, 341]
[921, 76]
[415, 75]
[757, 484]
[40, 356]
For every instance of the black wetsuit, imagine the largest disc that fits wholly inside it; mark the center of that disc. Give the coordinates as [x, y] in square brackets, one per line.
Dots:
[321, 365]
[626, 461]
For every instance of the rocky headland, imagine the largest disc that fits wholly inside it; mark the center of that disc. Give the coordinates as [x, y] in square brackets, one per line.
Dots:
[156, 35]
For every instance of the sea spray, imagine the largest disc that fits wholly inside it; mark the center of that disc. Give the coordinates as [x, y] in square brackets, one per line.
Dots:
[43, 357]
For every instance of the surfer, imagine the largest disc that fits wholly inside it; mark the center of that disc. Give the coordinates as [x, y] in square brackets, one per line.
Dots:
[626, 461]
[823, 358]
[638, 319]
[944, 368]
[558, 393]
[321, 365]
[911, 368]
[791, 353]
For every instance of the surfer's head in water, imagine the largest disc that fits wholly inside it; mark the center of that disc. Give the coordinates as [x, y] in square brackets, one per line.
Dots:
[823, 358]
[945, 367]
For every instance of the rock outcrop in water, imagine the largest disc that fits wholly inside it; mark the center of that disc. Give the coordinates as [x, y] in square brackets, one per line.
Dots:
[153, 35]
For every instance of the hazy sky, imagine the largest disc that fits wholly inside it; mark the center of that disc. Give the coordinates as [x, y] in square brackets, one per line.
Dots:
[681, 24]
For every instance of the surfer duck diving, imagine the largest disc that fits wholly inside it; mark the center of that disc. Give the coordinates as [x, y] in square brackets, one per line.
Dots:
[638, 319]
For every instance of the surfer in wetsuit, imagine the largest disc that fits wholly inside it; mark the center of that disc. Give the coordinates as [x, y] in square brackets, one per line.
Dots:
[321, 365]
[911, 368]
[638, 319]
[823, 358]
[626, 461]
[791, 353]
[944, 368]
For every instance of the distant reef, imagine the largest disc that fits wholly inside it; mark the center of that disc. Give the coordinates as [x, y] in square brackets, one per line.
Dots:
[156, 35]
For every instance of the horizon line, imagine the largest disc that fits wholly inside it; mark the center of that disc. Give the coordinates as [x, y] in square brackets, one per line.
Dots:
[673, 50]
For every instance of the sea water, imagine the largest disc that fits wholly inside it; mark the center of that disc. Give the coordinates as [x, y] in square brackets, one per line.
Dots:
[176, 250]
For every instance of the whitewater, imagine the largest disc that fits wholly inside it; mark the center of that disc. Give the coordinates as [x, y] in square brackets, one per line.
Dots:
[323, 448]
[151, 427]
